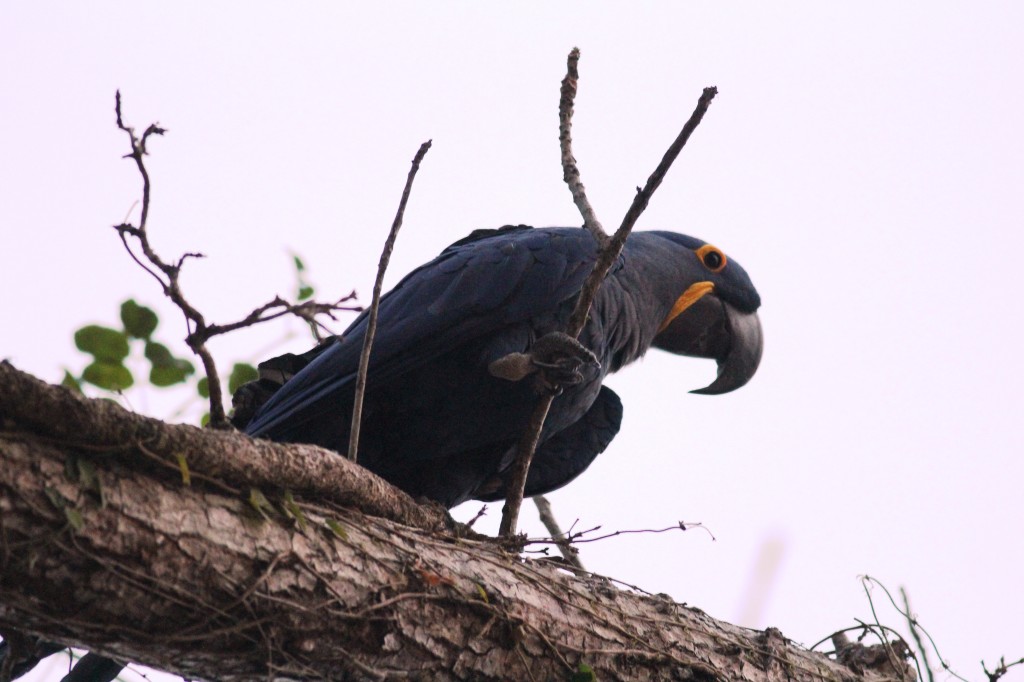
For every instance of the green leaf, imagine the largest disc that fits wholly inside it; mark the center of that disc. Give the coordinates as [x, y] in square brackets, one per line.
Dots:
[138, 320]
[69, 381]
[205, 419]
[172, 374]
[293, 510]
[483, 593]
[74, 517]
[56, 499]
[102, 343]
[584, 673]
[167, 369]
[260, 503]
[87, 474]
[337, 528]
[203, 387]
[71, 468]
[241, 373]
[299, 265]
[101, 491]
[305, 291]
[186, 475]
[112, 376]
[90, 480]
[158, 354]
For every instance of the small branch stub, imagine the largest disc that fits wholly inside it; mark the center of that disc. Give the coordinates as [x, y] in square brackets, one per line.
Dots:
[547, 517]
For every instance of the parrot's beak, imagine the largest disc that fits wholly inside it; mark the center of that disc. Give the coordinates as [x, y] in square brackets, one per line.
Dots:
[712, 328]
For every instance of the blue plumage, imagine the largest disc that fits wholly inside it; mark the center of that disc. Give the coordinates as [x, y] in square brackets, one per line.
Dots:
[437, 422]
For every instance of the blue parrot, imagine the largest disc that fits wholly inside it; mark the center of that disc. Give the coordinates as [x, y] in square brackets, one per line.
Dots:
[465, 343]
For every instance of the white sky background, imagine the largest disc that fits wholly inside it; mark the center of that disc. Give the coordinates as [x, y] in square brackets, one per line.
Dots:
[865, 164]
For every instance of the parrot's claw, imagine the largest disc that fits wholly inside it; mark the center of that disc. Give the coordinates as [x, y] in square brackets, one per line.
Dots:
[557, 359]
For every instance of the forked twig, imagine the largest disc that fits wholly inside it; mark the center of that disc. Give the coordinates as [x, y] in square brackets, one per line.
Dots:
[1001, 669]
[561, 540]
[572, 537]
[608, 254]
[371, 324]
[198, 330]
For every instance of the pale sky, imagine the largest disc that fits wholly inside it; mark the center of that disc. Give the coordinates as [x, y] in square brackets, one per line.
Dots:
[864, 163]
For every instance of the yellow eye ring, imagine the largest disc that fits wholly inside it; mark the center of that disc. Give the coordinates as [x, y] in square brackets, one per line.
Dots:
[712, 257]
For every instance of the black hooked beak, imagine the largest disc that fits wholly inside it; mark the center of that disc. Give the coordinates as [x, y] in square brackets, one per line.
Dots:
[712, 328]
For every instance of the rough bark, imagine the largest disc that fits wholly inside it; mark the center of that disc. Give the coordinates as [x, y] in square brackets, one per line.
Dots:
[104, 546]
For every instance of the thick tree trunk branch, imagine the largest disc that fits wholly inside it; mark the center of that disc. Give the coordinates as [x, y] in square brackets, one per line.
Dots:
[229, 458]
[103, 546]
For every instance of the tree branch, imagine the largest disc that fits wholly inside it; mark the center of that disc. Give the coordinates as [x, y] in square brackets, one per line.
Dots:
[608, 254]
[101, 549]
[570, 172]
[229, 458]
[198, 330]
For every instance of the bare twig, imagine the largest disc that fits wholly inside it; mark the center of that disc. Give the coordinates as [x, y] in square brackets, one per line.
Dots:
[838, 637]
[885, 640]
[1001, 669]
[307, 310]
[906, 614]
[570, 173]
[915, 632]
[547, 517]
[170, 286]
[576, 538]
[371, 323]
[198, 331]
[477, 516]
[608, 255]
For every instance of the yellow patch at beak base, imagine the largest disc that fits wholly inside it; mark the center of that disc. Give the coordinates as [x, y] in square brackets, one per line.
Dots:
[692, 294]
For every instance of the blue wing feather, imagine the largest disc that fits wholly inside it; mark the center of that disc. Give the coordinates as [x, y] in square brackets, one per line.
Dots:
[470, 290]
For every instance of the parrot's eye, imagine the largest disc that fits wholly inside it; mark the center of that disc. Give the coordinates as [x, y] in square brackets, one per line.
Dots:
[712, 257]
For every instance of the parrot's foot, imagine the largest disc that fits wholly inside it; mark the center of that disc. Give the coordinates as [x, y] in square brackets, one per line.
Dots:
[558, 360]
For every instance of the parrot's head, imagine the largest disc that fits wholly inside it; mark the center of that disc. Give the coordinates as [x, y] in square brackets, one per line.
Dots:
[713, 314]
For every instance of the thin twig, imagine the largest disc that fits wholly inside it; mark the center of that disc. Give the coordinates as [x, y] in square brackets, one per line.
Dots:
[170, 286]
[608, 255]
[915, 633]
[198, 331]
[576, 538]
[935, 647]
[305, 310]
[570, 173]
[862, 627]
[885, 640]
[371, 323]
[547, 517]
[477, 516]
[1001, 669]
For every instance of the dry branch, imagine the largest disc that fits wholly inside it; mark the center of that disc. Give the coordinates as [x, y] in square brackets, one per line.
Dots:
[570, 172]
[132, 564]
[371, 323]
[607, 255]
[167, 275]
[558, 536]
[229, 458]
